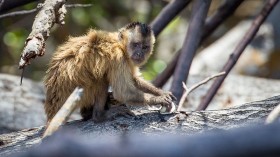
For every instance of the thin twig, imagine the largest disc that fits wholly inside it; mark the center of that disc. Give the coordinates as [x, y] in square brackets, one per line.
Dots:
[248, 37]
[274, 114]
[191, 43]
[192, 88]
[63, 114]
[24, 12]
[78, 5]
[16, 13]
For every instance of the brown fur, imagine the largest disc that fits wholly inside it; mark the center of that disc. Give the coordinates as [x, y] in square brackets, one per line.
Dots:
[95, 61]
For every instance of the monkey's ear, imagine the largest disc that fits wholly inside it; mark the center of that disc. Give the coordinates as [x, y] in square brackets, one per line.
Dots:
[120, 35]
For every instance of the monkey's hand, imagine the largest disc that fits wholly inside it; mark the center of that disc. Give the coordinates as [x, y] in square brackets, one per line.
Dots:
[169, 95]
[164, 100]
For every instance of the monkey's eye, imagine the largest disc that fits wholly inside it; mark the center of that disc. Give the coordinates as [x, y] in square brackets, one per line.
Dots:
[135, 44]
[145, 47]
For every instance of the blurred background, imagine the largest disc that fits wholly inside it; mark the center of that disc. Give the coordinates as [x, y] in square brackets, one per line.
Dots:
[262, 58]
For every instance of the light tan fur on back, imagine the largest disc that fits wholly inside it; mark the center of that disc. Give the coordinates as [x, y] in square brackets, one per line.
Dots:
[99, 59]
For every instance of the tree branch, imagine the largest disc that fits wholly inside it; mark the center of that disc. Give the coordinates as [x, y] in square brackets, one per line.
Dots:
[53, 11]
[24, 12]
[167, 14]
[64, 112]
[212, 23]
[274, 115]
[248, 37]
[193, 37]
[189, 90]
[223, 12]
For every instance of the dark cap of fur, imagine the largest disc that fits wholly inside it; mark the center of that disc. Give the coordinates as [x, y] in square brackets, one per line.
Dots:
[145, 29]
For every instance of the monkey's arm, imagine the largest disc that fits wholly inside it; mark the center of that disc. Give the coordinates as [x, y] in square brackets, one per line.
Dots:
[126, 91]
[149, 88]
[134, 96]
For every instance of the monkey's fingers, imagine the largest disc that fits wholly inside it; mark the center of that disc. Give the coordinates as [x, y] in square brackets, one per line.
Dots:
[168, 99]
[170, 95]
[173, 97]
[167, 102]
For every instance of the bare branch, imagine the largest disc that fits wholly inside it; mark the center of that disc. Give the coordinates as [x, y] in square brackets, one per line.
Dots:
[248, 37]
[16, 13]
[191, 43]
[53, 11]
[222, 13]
[24, 12]
[167, 14]
[213, 22]
[274, 114]
[63, 114]
[78, 5]
[188, 91]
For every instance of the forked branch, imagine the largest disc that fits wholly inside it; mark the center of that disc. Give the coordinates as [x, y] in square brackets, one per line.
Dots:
[192, 88]
[25, 12]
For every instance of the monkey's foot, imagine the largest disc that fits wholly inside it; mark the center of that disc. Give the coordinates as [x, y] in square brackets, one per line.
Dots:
[99, 116]
[119, 110]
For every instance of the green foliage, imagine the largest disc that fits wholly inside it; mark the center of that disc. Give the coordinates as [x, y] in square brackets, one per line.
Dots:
[80, 16]
[153, 68]
[15, 40]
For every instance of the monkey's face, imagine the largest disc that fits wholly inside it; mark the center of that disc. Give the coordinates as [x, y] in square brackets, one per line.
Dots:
[139, 45]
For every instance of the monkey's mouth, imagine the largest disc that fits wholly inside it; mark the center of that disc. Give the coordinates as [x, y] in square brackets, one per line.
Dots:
[137, 60]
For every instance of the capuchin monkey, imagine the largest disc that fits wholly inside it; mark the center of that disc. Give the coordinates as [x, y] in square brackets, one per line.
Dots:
[98, 60]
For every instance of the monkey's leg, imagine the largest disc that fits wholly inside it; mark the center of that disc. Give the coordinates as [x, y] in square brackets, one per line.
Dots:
[101, 94]
[86, 112]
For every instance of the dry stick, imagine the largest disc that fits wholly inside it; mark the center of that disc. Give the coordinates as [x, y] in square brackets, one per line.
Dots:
[167, 14]
[24, 12]
[192, 88]
[192, 40]
[274, 114]
[211, 24]
[53, 11]
[65, 111]
[16, 13]
[248, 37]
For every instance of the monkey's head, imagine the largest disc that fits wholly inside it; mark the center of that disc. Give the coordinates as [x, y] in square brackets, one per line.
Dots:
[138, 40]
